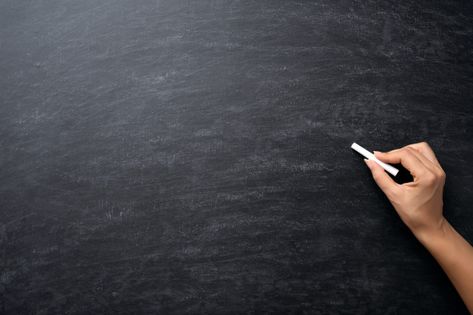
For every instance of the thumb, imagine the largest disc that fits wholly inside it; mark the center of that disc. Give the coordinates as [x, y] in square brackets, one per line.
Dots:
[382, 179]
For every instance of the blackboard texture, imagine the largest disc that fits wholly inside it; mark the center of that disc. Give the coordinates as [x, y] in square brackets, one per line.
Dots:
[173, 157]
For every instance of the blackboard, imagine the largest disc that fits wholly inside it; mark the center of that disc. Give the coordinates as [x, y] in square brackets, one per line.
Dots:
[173, 157]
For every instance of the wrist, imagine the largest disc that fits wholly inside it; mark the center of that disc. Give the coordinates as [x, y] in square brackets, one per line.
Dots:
[432, 235]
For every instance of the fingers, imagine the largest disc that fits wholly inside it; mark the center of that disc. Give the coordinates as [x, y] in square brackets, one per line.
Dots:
[426, 150]
[434, 167]
[407, 157]
[422, 152]
[382, 179]
[425, 160]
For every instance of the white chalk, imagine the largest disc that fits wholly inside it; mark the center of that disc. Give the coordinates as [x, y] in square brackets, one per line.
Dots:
[370, 156]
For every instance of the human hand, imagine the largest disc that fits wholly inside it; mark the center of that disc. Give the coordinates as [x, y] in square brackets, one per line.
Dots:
[419, 203]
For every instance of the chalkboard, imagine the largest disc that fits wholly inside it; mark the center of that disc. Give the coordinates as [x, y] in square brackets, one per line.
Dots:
[193, 157]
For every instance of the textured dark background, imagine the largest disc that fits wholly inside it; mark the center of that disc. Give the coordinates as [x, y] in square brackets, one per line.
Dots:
[193, 156]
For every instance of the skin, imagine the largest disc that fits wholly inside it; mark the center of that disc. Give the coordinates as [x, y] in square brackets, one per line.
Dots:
[420, 205]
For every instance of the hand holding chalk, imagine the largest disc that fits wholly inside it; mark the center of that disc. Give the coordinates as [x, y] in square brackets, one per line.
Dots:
[419, 203]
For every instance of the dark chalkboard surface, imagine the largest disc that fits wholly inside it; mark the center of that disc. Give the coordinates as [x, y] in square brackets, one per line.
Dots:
[171, 157]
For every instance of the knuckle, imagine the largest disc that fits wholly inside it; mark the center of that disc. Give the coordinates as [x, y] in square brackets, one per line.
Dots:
[424, 144]
[403, 150]
[414, 147]
[430, 178]
[409, 151]
[442, 175]
[439, 172]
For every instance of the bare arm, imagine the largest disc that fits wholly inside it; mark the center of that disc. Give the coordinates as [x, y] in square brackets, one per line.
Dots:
[420, 206]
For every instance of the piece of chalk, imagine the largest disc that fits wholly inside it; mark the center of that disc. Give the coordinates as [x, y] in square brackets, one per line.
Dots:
[367, 154]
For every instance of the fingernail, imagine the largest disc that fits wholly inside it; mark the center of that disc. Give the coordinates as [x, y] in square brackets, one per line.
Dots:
[377, 152]
[367, 162]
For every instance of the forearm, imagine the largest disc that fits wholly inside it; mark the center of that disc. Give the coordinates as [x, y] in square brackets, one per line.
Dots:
[455, 256]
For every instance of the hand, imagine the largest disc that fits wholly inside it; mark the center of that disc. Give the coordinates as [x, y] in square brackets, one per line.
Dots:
[420, 206]
[419, 203]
